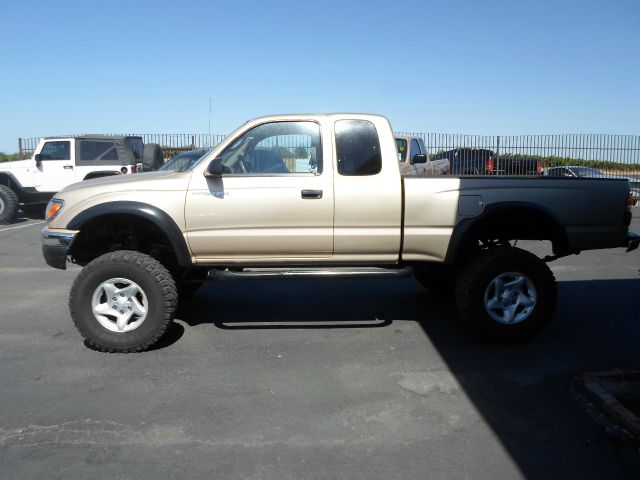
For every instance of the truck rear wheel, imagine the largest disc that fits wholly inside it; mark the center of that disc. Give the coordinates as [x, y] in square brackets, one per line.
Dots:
[506, 294]
[8, 204]
[123, 301]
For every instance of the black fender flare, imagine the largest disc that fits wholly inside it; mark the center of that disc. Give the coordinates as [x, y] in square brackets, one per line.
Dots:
[10, 181]
[466, 226]
[142, 210]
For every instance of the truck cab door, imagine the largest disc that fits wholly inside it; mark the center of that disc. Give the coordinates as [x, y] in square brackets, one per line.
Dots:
[273, 199]
[55, 166]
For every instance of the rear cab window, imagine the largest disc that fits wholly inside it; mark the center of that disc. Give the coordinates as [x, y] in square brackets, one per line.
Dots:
[137, 147]
[357, 148]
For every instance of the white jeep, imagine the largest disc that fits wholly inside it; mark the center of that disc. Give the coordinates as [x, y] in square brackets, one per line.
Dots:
[61, 161]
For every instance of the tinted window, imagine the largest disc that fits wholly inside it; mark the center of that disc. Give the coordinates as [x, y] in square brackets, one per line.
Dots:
[401, 146]
[415, 148]
[92, 150]
[136, 145]
[276, 148]
[56, 151]
[110, 155]
[358, 148]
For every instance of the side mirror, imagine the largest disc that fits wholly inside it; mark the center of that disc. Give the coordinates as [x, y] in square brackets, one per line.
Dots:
[419, 158]
[215, 168]
[38, 158]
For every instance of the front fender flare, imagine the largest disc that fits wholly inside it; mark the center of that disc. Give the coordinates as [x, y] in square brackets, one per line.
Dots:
[142, 210]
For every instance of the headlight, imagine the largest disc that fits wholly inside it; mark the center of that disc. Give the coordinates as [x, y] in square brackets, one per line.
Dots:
[53, 208]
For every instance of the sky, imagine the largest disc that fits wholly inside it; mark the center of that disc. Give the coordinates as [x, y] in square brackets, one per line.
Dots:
[457, 66]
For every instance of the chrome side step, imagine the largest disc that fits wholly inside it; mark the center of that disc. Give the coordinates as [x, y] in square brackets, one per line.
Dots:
[311, 273]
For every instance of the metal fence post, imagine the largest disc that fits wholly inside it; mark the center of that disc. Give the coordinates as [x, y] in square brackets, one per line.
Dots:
[497, 147]
[20, 148]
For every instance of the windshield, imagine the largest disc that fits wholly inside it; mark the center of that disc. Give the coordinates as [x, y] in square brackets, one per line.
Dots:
[184, 161]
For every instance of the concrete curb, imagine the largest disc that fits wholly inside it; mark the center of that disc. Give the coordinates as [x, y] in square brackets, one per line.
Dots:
[595, 389]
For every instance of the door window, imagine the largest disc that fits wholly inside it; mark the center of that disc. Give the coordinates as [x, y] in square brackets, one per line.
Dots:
[278, 148]
[415, 148]
[56, 151]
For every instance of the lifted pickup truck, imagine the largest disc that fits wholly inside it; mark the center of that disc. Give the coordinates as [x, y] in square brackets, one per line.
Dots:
[61, 161]
[346, 212]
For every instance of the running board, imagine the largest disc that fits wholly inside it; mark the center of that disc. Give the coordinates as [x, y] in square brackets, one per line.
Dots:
[311, 273]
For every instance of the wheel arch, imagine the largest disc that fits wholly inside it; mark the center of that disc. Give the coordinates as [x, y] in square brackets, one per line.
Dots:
[511, 220]
[141, 211]
[9, 181]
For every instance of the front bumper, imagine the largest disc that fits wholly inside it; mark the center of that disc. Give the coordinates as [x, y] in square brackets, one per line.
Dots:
[56, 245]
[633, 241]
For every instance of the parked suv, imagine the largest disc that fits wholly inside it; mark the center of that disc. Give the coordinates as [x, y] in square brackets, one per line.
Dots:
[61, 161]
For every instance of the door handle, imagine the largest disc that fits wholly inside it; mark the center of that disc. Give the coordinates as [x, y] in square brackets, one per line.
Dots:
[68, 167]
[311, 194]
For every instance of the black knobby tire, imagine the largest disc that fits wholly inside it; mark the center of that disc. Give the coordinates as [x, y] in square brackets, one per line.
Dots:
[152, 158]
[8, 204]
[154, 279]
[475, 281]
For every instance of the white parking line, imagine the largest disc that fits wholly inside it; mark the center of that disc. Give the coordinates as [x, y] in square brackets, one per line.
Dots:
[21, 226]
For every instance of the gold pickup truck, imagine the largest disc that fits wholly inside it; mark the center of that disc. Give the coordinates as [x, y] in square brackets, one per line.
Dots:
[307, 196]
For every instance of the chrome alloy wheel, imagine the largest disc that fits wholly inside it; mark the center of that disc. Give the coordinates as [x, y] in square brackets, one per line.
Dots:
[2, 205]
[119, 305]
[510, 298]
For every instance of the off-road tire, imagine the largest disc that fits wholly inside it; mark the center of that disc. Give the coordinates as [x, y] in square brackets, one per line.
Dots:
[482, 270]
[8, 204]
[152, 158]
[150, 275]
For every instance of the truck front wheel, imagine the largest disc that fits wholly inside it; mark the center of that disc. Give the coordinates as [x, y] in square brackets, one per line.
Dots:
[123, 301]
[507, 294]
[8, 204]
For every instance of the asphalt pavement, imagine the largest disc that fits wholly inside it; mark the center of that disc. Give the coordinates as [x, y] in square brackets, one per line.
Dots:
[308, 379]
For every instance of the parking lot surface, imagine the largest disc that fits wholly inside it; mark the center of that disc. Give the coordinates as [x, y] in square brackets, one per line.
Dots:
[309, 379]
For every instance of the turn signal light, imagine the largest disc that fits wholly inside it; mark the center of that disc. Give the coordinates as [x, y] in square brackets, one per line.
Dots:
[53, 209]
[489, 166]
[629, 201]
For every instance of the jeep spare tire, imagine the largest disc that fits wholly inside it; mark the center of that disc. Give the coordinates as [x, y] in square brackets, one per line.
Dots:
[152, 158]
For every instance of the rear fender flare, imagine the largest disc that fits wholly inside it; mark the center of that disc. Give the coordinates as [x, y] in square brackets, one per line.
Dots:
[466, 227]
